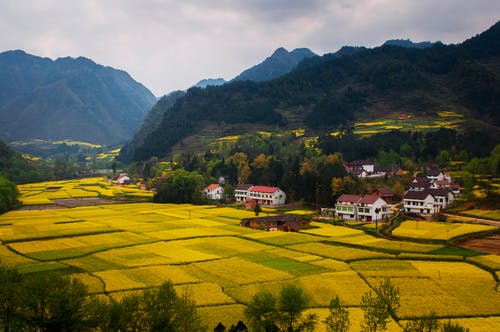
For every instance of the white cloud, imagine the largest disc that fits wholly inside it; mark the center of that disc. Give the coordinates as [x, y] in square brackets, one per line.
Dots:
[168, 44]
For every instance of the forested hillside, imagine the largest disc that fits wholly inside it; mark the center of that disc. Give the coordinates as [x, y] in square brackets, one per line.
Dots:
[68, 99]
[330, 92]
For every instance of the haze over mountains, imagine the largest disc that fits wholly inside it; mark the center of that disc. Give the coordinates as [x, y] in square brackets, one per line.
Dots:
[326, 92]
[68, 99]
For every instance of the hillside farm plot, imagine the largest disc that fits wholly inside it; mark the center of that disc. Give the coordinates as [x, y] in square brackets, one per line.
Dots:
[46, 192]
[337, 252]
[436, 230]
[483, 214]
[68, 247]
[445, 288]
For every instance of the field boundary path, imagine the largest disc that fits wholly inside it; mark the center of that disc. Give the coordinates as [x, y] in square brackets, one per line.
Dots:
[474, 220]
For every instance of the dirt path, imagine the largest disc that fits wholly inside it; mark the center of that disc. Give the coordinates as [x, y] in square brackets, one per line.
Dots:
[474, 220]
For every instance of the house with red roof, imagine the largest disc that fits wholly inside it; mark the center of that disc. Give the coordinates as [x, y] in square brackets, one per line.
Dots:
[364, 208]
[267, 196]
[214, 191]
[262, 195]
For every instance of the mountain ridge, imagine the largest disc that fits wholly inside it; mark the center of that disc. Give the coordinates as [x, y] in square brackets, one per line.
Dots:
[68, 98]
[330, 91]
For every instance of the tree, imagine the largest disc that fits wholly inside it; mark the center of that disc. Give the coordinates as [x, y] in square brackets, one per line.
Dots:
[10, 281]
[267, 312]
[54, 303]
[453, 327]
[338, 318]
[427, 323]
[179, 186]
[257, 209]
[157, 309]
[292, 302]
[8, 195]
[262, 312]
[379, 307]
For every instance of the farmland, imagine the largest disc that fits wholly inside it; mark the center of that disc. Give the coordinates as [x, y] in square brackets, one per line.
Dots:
[119, 248]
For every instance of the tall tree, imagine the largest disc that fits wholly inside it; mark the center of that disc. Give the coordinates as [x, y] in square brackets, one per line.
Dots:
[379, 307]
[338, 317]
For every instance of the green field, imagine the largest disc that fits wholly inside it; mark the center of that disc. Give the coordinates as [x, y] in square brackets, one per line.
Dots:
[202, 250]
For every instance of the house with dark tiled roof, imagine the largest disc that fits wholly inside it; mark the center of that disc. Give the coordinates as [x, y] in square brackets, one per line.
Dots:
[385, 193]
[420, 202]
[241, 192]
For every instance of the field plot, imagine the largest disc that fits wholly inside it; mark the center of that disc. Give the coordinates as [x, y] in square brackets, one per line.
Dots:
[483, 214]
[446, 288]
[436, 230]
[337, 252]
[118, 249]
[46, 192]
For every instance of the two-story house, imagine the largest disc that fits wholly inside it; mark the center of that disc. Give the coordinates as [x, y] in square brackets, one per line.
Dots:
[420, 202]
[214, 191]
[263, 195]
[364, 208]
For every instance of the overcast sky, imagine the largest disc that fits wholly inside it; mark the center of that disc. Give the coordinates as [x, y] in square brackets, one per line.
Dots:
[168, 45]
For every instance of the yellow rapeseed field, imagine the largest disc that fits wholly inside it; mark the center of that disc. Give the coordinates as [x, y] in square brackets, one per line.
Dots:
[437, 230]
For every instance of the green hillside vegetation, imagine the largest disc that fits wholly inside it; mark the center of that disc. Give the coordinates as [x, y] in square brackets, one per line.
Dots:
[327, 93]
[68, 99]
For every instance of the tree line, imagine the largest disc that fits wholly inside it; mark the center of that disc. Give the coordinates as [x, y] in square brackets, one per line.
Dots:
[313, 171]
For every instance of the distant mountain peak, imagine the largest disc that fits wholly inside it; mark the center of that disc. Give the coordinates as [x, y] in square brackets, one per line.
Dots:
[280, 62]
[210, 82]
[69, 98]
[407, 43]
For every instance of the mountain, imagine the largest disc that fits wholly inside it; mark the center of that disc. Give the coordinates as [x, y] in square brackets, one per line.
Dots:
[326, 93]
[279, 63]
[69, 98]
[408, 43]
[209, 82]
[151, 121]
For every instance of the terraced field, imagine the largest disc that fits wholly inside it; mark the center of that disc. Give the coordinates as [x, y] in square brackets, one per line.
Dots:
[48, 192]
[120, 248]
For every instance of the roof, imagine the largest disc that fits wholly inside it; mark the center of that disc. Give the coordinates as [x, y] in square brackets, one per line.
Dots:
[360, 163]
[369, 199]
[264, 189]
[434, 172]
[439, 192]
[442, 182]
[420, 195]
[243, 186]
[384, 191]
[212, 186]
[422, 179]
[349, 198]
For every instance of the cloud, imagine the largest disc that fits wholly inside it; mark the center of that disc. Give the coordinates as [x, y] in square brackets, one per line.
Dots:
[169, 44]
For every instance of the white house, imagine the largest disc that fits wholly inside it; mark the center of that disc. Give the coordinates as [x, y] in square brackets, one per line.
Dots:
[267, 196]
[420, 202]
[346, 207]
[123, 178]
[364, 208]
[214, 191]
[373, 207]
[241, 192]
[435, 175]
[443, 197]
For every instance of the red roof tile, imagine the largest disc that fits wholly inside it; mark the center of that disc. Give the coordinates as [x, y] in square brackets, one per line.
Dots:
[369, 199]
[348, 198]
[264, 189]
[212, 186]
